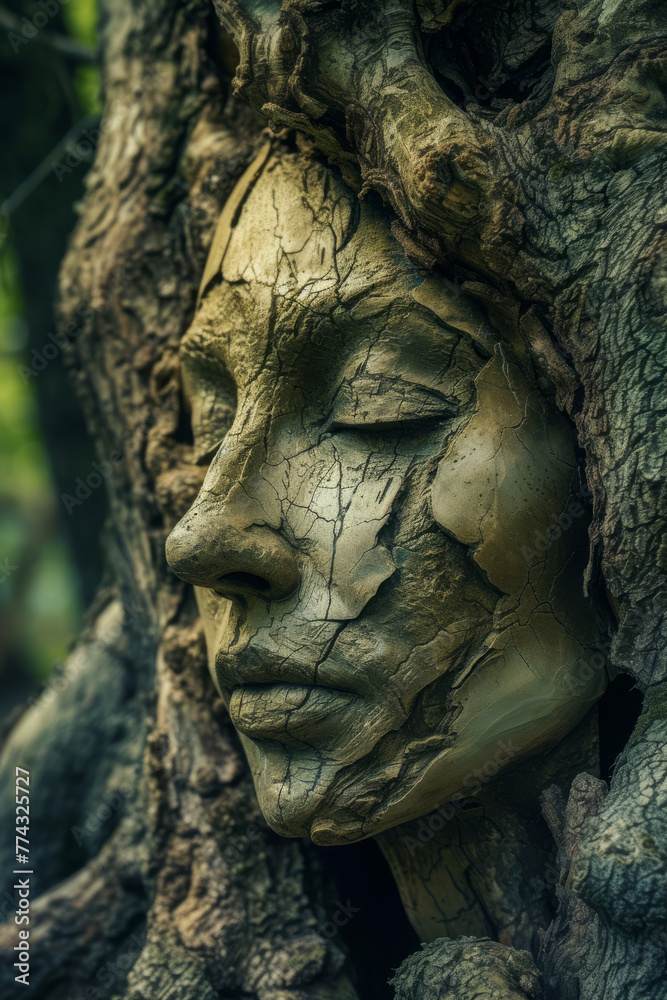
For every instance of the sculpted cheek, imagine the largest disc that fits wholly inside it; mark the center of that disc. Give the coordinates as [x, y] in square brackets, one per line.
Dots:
[335, 502]
[506, 476]
[361, 563]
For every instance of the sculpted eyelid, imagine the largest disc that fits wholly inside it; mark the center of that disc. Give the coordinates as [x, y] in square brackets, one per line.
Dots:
[404, 395]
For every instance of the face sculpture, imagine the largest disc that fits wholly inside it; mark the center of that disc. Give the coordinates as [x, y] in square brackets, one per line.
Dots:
[377, 616]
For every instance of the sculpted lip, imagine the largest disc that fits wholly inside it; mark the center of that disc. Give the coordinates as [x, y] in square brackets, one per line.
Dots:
[296, 710]
[266, 670]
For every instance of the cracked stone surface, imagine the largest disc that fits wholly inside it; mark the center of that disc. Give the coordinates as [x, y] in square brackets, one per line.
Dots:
[385, 587]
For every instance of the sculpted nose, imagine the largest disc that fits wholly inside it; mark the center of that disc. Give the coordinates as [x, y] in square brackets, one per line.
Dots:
[209, 550]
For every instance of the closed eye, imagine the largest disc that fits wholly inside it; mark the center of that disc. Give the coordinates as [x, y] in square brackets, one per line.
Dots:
[408, 425]
[382, 404]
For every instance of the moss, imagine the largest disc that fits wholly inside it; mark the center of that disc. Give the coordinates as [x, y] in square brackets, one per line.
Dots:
[558, 171]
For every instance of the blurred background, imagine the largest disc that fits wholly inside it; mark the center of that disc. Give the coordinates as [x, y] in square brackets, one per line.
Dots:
[50, 559]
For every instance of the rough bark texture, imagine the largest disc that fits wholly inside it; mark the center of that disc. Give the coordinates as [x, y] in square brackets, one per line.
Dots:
[447, 970]
[155, 871]
[522, 147]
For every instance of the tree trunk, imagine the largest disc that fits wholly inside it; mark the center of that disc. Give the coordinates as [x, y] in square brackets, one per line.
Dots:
[522, 148]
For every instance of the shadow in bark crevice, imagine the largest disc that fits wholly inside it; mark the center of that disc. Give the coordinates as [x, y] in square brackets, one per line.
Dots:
[374, 929]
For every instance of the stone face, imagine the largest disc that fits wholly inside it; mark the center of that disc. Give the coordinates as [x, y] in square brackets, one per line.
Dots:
[388, 548]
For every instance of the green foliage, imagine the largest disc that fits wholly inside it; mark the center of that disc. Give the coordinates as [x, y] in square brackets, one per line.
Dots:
[80, 17]
[39, 599]
[40, 602]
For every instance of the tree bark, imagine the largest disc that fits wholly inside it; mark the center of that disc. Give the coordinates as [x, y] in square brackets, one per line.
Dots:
[522, 149]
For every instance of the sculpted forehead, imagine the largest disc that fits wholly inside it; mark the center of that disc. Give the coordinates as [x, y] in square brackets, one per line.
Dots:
[293, 225]
[298, 263]
[302, 232]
